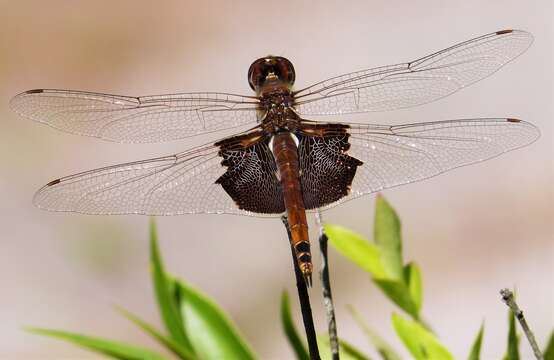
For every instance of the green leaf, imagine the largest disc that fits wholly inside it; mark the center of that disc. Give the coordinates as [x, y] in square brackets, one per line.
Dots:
[398, 292]
[549, 351]
[290, 331]
[512, 353]
[420, 343]
[346, 350]
[405, 293]
[412, 277]
[211, 333]
[388, 239]
[385, 350]
[180, 351]
[169, 309]
[107, 347]
[476, 347]
[356, 248]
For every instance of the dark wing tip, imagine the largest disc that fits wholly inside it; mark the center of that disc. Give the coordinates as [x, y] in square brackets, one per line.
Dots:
[513, 120]
[52, 183]
[34, 91]
[507, 31]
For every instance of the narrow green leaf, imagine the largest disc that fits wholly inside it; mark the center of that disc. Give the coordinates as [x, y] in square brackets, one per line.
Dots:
[210, 331]
[385, 350]
[476, 347]
[180, 351]
[412, 274]
[110, 348]
[176, 292]
[388, 238]
[398, 292]
[548, 352]
[512, 353]
[169, 310]
[290, 331]
[420, 343]
[346, 350]
[356, 248]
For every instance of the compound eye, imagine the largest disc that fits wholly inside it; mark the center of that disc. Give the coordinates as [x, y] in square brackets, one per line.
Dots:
[286, 71]
[256, 78]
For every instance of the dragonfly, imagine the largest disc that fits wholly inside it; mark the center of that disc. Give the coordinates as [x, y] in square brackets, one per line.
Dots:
[281, 158]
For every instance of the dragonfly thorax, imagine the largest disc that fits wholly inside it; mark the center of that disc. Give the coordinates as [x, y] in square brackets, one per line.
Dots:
[277, 109]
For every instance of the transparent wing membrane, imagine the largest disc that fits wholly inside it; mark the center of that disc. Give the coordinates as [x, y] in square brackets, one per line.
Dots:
[136, 119]
[416, 82]
[397, 155]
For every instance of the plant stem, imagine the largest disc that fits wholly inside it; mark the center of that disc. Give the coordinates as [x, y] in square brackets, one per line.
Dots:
[508, 298]
[326, 285]
[304, 299]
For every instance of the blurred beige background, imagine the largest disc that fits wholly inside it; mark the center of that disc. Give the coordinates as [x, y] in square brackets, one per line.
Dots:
[472, 230]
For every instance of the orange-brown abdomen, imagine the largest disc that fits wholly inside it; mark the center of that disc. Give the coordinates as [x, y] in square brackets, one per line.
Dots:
[286, 156]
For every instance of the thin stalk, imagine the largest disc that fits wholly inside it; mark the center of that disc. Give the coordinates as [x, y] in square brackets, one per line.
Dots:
[508, 298]
[326, 287]
[304, 299]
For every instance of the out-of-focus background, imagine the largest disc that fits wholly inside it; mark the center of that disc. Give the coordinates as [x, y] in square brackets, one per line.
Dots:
[473, 230]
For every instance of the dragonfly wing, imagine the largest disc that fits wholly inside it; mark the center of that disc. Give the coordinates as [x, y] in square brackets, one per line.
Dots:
[414, 83]
[186, 183]
[136, 119]
[397, 155]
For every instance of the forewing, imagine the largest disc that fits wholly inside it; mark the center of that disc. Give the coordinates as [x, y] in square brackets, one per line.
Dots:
[180, 184]
[416, 82]
[136, 119]
[397, 155]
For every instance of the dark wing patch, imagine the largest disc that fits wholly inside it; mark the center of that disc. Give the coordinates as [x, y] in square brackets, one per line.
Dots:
[326, 169]
[251, 176]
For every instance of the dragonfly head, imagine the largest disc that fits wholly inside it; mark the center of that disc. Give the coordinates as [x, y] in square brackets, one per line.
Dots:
[270, 70]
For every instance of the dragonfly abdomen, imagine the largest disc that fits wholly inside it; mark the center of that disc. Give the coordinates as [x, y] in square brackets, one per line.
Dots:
[286, 156]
